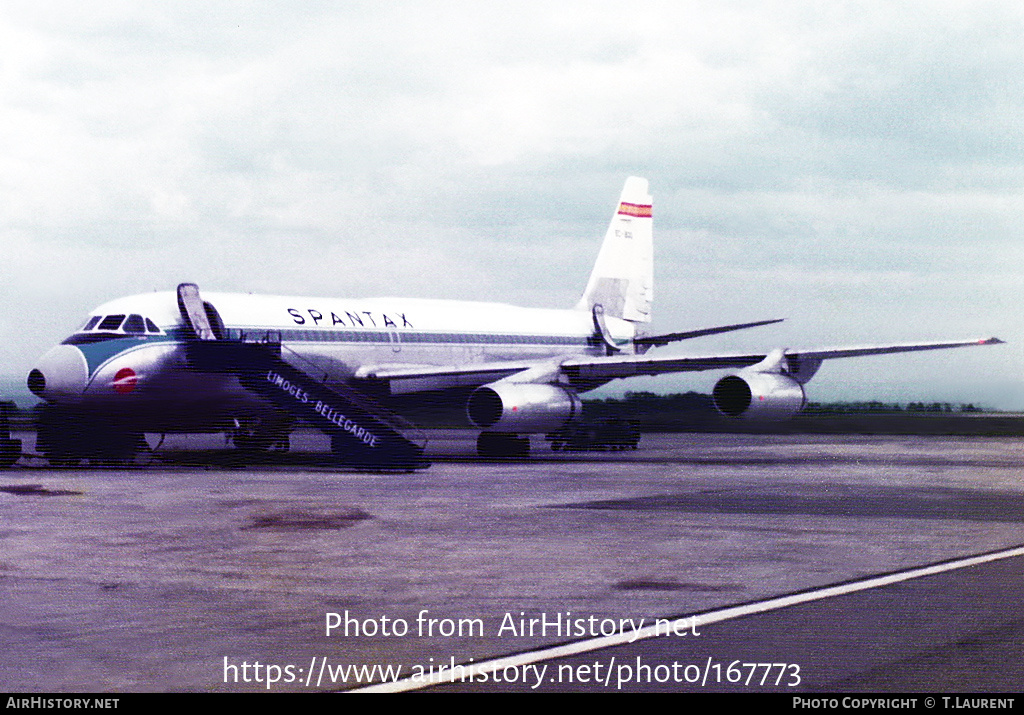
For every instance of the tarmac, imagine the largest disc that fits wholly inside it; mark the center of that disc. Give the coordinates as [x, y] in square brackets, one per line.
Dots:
[189, 572]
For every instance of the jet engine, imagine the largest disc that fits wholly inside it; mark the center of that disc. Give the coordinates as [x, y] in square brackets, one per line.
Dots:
[759, 396]
[523, 407]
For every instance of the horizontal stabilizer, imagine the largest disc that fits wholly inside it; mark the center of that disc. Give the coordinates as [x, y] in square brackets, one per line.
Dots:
[659, 340]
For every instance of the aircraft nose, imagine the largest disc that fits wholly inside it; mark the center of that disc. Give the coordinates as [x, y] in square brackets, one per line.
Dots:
[60, 375]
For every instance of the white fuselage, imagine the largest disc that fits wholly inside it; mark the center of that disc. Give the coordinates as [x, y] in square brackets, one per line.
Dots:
[143, 371]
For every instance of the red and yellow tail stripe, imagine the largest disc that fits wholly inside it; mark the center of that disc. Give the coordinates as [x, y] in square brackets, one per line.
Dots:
[637, 210]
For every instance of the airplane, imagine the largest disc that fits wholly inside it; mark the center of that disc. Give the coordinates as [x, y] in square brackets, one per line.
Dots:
[255, 365]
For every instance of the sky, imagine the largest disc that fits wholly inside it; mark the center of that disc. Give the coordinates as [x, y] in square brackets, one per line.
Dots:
[855, 168]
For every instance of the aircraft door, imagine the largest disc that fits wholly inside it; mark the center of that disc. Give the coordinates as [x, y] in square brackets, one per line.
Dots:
[201, 317]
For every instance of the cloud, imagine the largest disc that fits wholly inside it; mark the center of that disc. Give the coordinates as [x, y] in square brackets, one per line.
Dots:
[853, 164]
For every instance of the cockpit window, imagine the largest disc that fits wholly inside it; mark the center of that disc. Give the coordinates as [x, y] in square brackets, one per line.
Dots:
[111, 322]
[135, 325]
[99, 328]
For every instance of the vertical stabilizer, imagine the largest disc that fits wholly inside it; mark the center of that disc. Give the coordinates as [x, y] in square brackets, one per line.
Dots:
[622, 281]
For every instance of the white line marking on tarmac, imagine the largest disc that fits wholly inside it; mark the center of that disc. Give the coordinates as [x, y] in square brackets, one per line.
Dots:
[466, 672]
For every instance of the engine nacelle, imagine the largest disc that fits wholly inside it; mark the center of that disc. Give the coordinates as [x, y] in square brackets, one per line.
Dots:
[523, 407]
[759, 396]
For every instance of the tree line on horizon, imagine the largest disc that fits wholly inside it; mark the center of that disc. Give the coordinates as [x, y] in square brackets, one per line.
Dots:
[691, 401]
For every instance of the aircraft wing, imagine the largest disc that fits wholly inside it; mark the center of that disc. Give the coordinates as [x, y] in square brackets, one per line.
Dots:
[419, 378]
[586, 370]
[603, 368]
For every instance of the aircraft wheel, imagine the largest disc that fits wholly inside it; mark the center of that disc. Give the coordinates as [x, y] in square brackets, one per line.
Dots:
[66, 437]
[502, 445]
[59, 437]
[114, 447]
[267, 436]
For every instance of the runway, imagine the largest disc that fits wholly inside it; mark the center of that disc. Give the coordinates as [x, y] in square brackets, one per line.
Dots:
[165, 578]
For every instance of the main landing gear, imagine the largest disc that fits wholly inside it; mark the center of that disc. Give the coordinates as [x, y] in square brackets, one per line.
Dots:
[502, 445]
[260, 437]
[604, 435]
[67, 437]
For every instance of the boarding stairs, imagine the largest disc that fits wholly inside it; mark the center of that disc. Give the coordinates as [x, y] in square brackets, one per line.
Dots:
[363, 432]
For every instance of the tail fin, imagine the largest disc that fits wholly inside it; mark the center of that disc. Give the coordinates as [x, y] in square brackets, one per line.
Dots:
[622, 281]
